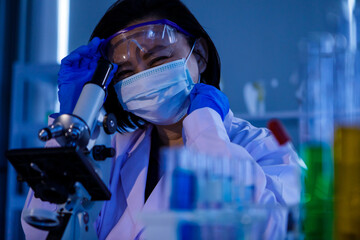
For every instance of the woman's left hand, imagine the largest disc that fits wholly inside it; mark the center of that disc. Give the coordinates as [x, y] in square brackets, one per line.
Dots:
[203, 95]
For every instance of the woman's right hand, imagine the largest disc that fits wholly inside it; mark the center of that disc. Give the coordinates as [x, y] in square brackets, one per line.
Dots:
[204, 95]
[76, 69]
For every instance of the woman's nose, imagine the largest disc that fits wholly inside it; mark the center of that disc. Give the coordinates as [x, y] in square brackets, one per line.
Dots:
[141, 66]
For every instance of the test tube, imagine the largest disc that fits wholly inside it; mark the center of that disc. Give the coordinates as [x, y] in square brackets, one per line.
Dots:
[181, 178]
[214, 186]
[201, 176]
[316, 127]
[244, 183]
[347, 142]
[227, 181]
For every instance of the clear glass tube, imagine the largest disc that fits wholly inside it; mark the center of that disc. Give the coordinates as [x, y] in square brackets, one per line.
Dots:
[316, 127]
[347, 137]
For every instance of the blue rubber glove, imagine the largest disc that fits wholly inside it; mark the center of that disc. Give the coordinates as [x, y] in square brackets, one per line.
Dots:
[203, 95]
[76, 69]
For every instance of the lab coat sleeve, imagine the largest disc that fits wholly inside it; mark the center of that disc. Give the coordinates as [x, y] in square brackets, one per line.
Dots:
[205, 132]
[275, 170]
[32, 202]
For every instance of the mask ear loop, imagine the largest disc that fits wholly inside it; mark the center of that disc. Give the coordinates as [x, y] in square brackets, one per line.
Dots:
[191, 51]
[188, 56]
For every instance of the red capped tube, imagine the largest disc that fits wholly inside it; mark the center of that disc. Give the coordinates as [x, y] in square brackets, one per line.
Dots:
[279, 131]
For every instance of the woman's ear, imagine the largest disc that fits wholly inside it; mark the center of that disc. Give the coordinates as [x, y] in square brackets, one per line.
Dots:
[201, 54]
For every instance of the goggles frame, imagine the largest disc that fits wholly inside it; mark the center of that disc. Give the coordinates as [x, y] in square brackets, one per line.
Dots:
[104, 44]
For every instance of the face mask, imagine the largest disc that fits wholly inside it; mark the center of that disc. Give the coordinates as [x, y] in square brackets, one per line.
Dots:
[159, 95]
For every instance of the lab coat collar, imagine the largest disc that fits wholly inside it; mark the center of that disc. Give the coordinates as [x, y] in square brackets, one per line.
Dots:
[122, 179]
[133, 178]
[141, 134]
[134, 173]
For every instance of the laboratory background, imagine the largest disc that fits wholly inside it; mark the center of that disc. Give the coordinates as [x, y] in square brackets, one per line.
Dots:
[294, 60]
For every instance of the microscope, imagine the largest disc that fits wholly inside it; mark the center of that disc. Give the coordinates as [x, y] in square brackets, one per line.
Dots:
[75, 175]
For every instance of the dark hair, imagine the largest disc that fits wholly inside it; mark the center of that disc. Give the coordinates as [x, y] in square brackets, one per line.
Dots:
[124, 12]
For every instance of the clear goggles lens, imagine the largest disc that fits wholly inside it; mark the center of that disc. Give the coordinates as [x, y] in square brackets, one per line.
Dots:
[146, 37]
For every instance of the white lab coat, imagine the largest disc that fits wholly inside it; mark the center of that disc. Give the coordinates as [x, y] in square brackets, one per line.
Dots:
[203, 130]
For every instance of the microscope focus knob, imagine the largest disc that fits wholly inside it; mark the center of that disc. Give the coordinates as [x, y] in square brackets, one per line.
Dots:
[110, 123]
[101, 152]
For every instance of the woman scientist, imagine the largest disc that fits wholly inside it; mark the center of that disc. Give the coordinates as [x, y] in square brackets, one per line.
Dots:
[165, 92]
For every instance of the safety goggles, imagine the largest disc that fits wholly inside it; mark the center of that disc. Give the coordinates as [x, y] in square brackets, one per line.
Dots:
[147, 37]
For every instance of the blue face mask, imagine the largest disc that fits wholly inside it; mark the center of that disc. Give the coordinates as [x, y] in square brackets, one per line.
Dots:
[160, 95]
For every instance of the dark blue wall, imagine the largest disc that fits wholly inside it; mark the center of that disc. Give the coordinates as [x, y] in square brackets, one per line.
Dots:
[257, 40]
[84, 15]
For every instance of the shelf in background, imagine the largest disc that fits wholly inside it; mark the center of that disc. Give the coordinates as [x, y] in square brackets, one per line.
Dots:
[285, 115]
